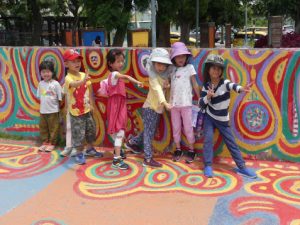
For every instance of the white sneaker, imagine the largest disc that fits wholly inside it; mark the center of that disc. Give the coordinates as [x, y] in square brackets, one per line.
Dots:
[73, 152]
[67, 151]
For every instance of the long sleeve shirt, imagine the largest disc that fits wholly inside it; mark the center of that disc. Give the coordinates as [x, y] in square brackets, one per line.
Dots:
[217, 107]
[156, 96]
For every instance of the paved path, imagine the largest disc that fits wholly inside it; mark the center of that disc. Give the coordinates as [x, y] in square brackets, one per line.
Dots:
[43, 188]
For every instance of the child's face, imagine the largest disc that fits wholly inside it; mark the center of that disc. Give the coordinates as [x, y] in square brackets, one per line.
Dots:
[118, 64]
[160, 67]
[180, 60]
[215, 72]
[46, 74]
[74, 65]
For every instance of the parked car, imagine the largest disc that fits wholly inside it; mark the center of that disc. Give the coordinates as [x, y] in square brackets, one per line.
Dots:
[253, 34]
[175, 36]
[287, 29]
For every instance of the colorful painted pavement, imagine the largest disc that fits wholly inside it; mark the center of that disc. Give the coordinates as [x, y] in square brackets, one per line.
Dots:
[43, 188]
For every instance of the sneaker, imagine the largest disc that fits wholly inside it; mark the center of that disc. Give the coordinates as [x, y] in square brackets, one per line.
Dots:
[152, 163]
[80, 158]
[73, 152]
[49, 148]
[67, 151]
[42, 148]
[246, 172]
[120, 164]
[190, 157]
[208, 171]
[92, 152]
[177, 155]
[134, 148]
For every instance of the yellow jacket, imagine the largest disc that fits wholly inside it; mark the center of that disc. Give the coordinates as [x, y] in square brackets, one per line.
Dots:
[156, 95]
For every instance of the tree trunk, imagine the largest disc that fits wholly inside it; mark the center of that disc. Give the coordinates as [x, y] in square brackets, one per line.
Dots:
[122, 29]
[36, 23]
[162, 31]
[185, 32]
[297, 21]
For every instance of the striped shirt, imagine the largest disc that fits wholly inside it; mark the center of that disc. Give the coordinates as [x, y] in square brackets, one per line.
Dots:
[217, 107]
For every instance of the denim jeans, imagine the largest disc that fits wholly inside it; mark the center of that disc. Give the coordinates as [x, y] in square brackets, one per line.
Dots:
[228, 138]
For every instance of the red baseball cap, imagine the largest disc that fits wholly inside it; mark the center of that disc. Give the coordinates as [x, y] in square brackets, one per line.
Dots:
[71, 54]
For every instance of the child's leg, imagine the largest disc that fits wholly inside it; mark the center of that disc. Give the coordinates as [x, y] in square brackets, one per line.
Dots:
[186, 114]
[90, 136]
[208, 151]
[118, 140]
[150, 120]
[233, 148]
[176, 125]
[117, 161]
[78, 132]
[54, 125]
[44, 131]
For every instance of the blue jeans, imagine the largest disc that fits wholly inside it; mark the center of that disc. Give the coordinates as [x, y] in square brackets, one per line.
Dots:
[150, 121]
[228, 138]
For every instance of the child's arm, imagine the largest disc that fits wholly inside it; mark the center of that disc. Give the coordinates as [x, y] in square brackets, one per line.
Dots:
[236, 87]
[158, 91]
[75, 84]
[131, 79]
[247, 88]
[195, 86]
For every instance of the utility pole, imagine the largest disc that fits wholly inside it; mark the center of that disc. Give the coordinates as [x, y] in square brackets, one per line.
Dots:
[153, 19]
[197, 23]
[246, 25]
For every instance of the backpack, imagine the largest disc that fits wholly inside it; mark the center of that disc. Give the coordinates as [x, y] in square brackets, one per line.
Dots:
[198, 121]
[103, 90]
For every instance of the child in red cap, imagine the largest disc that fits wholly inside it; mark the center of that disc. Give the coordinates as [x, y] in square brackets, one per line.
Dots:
[80, 106]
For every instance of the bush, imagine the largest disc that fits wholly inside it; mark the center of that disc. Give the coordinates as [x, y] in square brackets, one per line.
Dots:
[289, 40]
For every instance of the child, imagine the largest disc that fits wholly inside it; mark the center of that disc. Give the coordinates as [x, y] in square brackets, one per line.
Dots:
[153, 107]
[116, 104]
[80, 107]
[183, 81]
[49, 92]
[215, 98]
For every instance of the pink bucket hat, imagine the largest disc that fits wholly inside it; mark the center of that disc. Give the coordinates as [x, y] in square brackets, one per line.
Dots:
[179, 48]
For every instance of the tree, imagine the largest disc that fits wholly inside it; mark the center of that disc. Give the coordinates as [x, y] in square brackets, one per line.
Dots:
[113, 15]
[280, 7]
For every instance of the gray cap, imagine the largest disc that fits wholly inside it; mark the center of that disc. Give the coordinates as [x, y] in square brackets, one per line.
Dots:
[215, 59]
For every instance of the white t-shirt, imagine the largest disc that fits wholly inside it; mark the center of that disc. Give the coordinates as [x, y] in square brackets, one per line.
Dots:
[181, 86]
[50, 93]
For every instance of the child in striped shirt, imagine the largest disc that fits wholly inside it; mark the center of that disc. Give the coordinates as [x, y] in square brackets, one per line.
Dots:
[215, 98]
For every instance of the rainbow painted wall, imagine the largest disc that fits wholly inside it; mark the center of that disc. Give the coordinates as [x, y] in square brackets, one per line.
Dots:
[264, 122]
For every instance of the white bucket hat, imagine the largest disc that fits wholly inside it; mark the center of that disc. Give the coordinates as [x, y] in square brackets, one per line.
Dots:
[160, 55]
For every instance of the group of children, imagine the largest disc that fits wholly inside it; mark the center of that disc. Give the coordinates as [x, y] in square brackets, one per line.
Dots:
[165, 72]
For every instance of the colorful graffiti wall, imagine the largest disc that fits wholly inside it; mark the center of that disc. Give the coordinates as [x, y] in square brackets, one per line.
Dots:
[264, 122]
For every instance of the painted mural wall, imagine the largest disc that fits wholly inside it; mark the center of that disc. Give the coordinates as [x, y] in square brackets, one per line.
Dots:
[264, 122]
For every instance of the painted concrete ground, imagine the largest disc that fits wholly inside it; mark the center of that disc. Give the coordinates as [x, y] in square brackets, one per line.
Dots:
[43, 188]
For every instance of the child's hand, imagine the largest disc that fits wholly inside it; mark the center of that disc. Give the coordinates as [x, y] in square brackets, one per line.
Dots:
[140, 84]
[210, 93]
[247, 88]
[167, 106]
[166, 84]
[86, 77]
